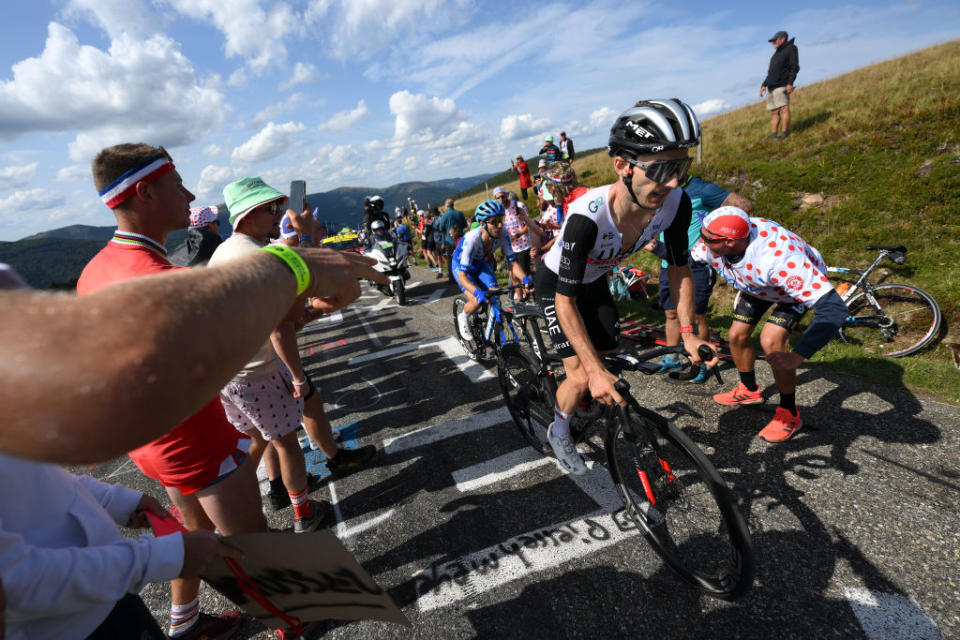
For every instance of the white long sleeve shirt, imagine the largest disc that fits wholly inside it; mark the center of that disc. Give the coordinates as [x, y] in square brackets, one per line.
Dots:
[63, 562]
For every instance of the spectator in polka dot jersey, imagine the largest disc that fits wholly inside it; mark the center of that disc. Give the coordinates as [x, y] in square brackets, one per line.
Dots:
[769, 265]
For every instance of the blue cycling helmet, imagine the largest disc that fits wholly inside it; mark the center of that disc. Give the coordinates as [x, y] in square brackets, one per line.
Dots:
[488, 209]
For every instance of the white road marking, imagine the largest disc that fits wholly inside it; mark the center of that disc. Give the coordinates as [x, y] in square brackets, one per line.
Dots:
[380, 306]
[450, 347]
[337, 404]
[499, 468]
[331, 320]
[349, 532]
[416, 283]
[520, 556]
[433, 297]
[120, 468]
[890, 615]
[341, 527]
[443, 430]
[370, 332]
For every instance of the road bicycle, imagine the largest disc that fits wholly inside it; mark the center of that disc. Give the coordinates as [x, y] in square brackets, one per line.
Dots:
[491, 326]
[669, 488]
[887, 319]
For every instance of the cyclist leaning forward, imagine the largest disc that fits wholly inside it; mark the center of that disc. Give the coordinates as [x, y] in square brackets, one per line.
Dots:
[472, 261]
[768, 265]
[603, 227]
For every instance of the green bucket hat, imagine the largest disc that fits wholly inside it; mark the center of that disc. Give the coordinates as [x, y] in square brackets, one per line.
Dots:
[549, 138]
[246, 194]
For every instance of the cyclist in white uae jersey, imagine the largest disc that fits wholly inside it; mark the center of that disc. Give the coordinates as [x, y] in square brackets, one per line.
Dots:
[470, 263]
[601, 228]
[769, 265]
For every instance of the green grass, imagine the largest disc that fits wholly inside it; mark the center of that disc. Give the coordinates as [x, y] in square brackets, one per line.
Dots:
[882, 146]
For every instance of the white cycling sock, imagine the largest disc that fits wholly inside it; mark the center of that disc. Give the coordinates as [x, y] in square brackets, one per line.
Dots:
[561, 423]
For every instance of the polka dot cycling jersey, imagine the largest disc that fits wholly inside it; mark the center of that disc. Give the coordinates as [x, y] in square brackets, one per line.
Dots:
[777, 266]
[470, 253]
[511, 223]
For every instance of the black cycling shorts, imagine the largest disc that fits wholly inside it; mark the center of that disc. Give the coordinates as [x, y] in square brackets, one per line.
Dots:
[703, 280]
[429, 244]
[596, 307]
[523, 259]
[749, 310]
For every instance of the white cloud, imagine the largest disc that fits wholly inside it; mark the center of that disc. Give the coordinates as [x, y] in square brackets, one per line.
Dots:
[75, 173]
[710, 107]
[268, 143]
[272, 111]
[115, 17]
[602, 117]
[253, 33]
[238, 78]
[26, 202]
[522, 126]
[139, 87]
[16, 177]
[303, 72]
[213, 179]
[426, 118]
[345, 119]
[213, 151]
[363, 27]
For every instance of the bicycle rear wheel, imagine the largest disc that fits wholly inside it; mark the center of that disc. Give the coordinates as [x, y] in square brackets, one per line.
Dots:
[529, 395]
[903, 321]
[675, 495]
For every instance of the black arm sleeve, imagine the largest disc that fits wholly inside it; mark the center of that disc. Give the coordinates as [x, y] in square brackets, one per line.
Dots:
[579, 236]
[828, 315]
[675, 236]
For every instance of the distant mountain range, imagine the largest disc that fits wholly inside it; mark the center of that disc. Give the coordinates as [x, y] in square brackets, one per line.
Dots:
[55, 258]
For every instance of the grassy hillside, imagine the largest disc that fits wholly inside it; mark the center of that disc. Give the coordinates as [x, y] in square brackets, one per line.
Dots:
[881, 146]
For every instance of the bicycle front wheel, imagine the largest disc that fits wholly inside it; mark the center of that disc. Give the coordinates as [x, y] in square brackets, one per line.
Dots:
[675, 495]
[474, 347]
[529, 395]
[899, 320]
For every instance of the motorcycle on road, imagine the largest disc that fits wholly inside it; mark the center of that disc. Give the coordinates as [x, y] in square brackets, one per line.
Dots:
[391, 257]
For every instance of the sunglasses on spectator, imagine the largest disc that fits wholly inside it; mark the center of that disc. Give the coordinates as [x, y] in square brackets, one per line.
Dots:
[711, 240]
[662, 170]
[274, 207]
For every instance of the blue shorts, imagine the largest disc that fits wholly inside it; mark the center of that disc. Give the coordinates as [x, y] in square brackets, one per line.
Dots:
[703, 280]
[481, 275]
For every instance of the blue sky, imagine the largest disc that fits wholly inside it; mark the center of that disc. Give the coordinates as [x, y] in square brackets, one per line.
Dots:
[375, 92]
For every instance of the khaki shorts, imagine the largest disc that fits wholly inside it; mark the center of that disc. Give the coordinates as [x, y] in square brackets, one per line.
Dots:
[778, 98]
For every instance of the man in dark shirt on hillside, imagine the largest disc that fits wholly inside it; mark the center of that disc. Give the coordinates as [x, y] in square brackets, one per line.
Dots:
[778, 85]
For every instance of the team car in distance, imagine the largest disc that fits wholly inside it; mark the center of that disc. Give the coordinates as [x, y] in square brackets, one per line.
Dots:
[344, 242]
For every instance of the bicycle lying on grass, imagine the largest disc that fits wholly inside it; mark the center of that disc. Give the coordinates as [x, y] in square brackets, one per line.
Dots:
[669, 488]
[887, 319]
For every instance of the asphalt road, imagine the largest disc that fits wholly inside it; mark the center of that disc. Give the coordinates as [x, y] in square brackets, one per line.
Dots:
[854, 521]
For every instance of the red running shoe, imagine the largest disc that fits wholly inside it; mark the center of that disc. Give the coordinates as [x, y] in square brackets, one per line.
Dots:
[740, 395]
[782, 427]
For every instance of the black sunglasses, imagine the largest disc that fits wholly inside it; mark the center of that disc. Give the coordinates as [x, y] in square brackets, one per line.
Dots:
[710, 240]
[662, 170]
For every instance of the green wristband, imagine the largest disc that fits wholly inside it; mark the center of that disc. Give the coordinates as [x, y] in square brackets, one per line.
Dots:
[293, 260]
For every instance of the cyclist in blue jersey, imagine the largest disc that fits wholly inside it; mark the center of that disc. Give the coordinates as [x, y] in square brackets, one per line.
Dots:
[470, 264]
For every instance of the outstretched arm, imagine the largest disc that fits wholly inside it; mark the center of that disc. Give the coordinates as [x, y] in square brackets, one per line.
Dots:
[86, 379]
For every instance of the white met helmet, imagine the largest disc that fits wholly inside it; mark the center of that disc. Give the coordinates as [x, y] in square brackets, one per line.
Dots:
[377, 225]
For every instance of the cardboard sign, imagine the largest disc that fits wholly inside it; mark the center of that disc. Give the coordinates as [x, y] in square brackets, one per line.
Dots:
[311, 576]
